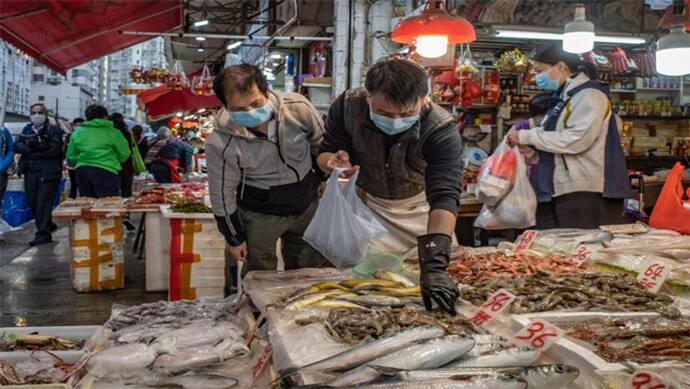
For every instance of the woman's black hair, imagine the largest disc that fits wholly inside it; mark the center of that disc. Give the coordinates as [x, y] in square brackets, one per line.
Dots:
[118, 121]
[554, 53]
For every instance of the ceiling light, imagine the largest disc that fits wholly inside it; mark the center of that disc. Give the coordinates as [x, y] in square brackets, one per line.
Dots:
[201, 23]
[234, 45]
[433, 30]
[200, 38]
[578, 35]
[179, 114]
[200, 49]
[673, 52]
[524, 34]
[276, 56]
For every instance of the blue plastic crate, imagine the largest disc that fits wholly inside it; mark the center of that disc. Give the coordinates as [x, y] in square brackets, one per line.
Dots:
[17, 217]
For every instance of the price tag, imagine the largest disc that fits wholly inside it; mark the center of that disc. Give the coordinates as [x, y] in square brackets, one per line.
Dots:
[645, 380]
[654, 273]
[258, 369]
[538, 335]
[525, 241]
[494, 305]
[581, 254]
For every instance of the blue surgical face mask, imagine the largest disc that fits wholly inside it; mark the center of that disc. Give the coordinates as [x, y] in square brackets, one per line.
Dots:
[190, 134]
[253, 118]
[392, 126]
[545, 82]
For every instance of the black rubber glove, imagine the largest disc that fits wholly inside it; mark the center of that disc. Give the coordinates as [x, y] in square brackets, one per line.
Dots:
[434, 255]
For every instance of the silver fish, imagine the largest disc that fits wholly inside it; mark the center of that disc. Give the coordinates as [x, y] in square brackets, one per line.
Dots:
[395, 277]
[516, 356]
[425, 355]
[537, 377]
[500, 382]
[364, 353]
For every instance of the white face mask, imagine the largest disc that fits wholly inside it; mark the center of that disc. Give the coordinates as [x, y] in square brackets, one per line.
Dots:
[37, 119]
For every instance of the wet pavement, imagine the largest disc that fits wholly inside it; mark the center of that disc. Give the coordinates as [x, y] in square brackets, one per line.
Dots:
[36, 289]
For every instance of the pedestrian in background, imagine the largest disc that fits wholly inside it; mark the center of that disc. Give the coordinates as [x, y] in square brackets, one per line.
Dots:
[155, 145]
[127, 171]
[175, 154]
[142, 145]
[72, 170]
[98, 150]
[40, 145]
[6, 160]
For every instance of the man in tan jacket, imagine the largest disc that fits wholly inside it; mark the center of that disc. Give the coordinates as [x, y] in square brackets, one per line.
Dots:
[261, 178]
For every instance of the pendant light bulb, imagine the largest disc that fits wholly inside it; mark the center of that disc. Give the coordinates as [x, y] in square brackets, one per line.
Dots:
[578, 35]
[432, 46]
[673, 53]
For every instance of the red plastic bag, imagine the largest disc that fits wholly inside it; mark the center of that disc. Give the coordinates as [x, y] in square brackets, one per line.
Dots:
[670, 211]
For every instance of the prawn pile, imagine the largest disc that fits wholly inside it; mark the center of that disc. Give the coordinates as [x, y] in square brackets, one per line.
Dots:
[354, 325]
[473, 269]
[43, 367]
[37, 342]
[574, 291]
[642, 340]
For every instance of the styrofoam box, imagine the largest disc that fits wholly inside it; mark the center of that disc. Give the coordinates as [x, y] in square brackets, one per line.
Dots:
[207, 282]
[76, 333]
[215, 293]
[571, 352]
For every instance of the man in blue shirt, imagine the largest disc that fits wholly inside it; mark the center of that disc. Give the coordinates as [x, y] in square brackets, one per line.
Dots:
[6, 159]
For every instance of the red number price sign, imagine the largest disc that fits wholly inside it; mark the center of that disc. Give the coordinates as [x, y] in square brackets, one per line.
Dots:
[524, 241]
[654, 273]
[538, 335]
[258, 369]
[494, 305]
[645, 380]
[580, 255]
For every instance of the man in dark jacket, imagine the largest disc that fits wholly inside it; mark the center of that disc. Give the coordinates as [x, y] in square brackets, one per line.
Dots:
[40, 145]
[407, 151]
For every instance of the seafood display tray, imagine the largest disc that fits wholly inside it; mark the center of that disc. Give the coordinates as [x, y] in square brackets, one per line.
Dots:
[79, 333]
[570, 352]
[169, 214]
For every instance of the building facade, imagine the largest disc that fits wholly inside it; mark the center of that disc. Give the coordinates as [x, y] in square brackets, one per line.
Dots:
[15, 82]
[67, 96]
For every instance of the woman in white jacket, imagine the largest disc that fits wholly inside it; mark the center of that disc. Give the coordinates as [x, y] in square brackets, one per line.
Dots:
[576, 144]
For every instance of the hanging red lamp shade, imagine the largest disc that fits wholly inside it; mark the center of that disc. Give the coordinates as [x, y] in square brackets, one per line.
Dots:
[433, 30]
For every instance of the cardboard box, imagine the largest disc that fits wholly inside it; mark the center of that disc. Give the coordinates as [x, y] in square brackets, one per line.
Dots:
[97, 261]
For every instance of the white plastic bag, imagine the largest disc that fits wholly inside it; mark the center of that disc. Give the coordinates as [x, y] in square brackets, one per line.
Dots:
[343, 226]
[517, 209]
[496, 175]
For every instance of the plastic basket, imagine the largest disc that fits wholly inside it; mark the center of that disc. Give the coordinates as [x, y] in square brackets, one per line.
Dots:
[17, 217]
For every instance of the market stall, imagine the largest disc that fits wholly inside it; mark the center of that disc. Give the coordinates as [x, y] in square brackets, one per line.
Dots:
[605, 307]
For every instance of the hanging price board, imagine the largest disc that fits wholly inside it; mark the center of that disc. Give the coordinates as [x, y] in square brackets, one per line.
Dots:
[494, 305]
[653, 274]
[525, 241]
[581, 255]
[645, 380]
[538, 335]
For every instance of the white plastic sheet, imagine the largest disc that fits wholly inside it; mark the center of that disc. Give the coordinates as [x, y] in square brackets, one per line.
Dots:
[343, 226]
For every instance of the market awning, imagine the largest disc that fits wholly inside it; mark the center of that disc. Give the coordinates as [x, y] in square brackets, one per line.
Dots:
[65, 33]
[163, 101]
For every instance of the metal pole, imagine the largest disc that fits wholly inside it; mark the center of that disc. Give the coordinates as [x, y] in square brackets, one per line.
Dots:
[228, 36]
